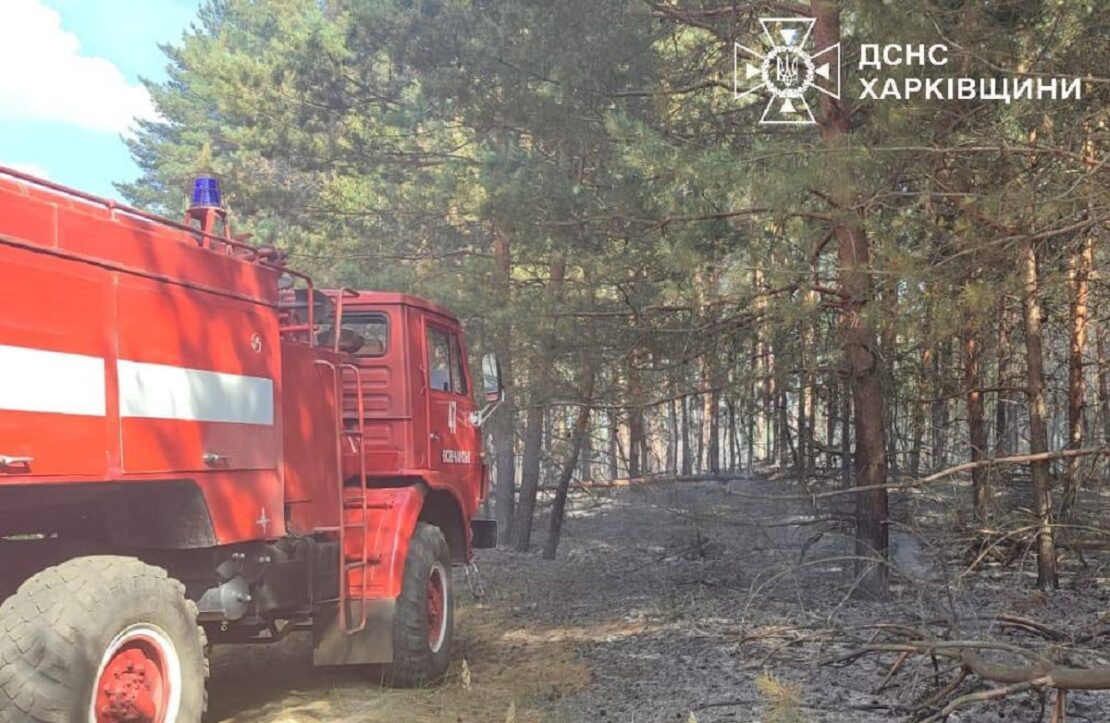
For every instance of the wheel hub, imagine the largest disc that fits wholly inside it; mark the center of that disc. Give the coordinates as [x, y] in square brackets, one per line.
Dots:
[437, 604]
[133, 687]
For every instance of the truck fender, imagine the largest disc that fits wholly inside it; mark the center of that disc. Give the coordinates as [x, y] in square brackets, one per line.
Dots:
[443, 508]
[391, 517]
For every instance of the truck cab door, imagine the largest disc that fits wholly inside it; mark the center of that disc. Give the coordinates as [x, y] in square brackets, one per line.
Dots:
[453, 447]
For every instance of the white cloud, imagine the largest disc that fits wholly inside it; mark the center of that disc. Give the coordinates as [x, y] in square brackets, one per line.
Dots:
[33, 169]
[43, 75]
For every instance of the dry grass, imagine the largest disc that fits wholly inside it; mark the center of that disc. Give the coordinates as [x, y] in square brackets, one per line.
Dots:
[783, 699]
[504, 671]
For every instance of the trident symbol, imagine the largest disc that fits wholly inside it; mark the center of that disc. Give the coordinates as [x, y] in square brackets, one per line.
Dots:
[786, 69]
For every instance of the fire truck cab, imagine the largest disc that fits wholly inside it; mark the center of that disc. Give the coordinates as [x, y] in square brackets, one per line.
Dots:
[199, 447]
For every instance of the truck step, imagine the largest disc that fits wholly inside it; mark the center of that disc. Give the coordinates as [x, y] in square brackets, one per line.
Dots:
[356, 503]
[359, 564]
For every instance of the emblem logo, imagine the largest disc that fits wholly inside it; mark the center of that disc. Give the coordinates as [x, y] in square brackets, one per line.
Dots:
[786, 70]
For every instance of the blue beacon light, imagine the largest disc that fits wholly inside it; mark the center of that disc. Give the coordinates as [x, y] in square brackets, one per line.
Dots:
[206, 192]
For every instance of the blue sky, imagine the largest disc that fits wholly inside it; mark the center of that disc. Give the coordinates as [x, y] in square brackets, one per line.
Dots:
[69, 83]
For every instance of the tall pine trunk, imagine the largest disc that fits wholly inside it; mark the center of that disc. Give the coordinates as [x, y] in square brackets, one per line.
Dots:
[733, 442]
[672, 437]
[976, 425]
[858, 338]
[687, 455]
[832, 414]
[503, 425]
[807, 407]
[751, 425]
[923, 388]
[939, 412]
[888, 350]
[613, 431]
[635, 442]
[1079, 271]
[1038, 431]
[534, 426]
[846, 465]
[530, 477]
[579, 432]
[1103, 360]
[917, 420]
[586, 458]
[1004, 416]
[562, 485]
[713, 450]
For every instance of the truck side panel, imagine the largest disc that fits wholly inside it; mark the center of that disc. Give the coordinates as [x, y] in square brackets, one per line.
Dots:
[130, 354]
[196, 378]
[53, 346]
[310, 424]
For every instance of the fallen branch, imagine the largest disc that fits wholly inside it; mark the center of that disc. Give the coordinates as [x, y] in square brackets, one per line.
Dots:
[1030, 625]
[902, 658]
[637, 482]
[980, 697]
[1052, 676]
[966, 467]
[916, 482]
[1039, 672]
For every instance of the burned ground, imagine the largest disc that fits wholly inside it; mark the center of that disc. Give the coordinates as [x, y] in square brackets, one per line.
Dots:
[711, 602]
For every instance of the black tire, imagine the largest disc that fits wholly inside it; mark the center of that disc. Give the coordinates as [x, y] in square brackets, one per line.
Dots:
[416, 660]
[56, 630]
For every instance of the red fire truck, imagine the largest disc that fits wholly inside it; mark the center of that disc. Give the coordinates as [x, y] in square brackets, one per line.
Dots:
[197, 446]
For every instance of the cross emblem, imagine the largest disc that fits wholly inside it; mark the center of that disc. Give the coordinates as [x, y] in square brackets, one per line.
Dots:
[787, 70]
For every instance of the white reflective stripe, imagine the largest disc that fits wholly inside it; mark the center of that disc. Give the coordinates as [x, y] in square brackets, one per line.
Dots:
[157, 391]
[34, 380]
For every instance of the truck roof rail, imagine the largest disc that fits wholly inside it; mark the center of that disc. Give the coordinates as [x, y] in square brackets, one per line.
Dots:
[113, 206]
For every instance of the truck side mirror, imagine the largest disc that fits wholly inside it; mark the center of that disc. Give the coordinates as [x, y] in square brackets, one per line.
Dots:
[491, 379]
[493, 387]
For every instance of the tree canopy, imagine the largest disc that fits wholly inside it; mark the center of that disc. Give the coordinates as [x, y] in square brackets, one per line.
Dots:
[577, 180]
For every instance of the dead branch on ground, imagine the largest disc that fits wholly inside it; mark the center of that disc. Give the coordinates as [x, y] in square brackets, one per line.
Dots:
[1026, 669]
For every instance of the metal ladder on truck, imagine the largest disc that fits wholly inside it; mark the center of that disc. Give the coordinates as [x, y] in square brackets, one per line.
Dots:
[351, 498]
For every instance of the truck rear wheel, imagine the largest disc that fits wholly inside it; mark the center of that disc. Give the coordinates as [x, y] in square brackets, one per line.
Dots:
[101, 640]
[424, 620]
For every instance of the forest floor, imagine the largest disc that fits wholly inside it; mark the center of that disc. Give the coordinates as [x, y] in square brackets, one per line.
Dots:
[707, 601]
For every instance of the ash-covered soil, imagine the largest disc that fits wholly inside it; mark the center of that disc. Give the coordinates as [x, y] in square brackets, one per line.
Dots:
[710, 601]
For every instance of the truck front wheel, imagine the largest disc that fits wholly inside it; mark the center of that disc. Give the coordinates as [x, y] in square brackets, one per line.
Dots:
[101, 640]
[424, 619]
